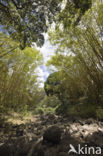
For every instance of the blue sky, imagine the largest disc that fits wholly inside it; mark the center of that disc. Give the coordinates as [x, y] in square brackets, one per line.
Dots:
[47, 51]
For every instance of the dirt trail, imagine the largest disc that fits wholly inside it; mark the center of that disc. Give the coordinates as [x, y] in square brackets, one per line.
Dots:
[27, 139]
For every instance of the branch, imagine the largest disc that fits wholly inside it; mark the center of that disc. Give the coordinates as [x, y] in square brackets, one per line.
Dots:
[23, 5]
[8, 52]
[4, 6]
[17, 7]
[5, 9]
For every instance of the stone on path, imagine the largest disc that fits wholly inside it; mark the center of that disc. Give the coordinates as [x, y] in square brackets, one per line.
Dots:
[52, 135]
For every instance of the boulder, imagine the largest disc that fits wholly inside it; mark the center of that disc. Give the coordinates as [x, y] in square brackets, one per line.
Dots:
[52, 135]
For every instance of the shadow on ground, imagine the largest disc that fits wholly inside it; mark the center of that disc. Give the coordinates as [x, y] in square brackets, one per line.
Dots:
[27, 139]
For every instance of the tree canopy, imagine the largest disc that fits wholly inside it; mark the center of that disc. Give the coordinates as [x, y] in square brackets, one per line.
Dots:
[26, 20]
[76, 28]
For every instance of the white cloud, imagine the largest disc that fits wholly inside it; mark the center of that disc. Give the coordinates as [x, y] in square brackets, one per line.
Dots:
[42, 73]
[47, 50]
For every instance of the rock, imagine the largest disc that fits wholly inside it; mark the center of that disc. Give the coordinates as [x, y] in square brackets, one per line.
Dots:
[23, 151]
[81, 122]
[51, 116]
[55, 121]
[5, 150]
[14, 126]
[21, 141]
[38, 152]
[52, 134]
[101, 119]
[95, 139]
[89, 121]
[19, 132]
[98, 137]
[1, 125]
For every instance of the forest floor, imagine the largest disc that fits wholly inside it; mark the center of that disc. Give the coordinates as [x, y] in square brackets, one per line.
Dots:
[21, 136]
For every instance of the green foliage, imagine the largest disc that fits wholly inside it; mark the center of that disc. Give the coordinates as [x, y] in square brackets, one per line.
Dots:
[82, 110]
[65, 82]
[26, 20]
[52, 84]
[48, 105]
[39, 110]
[99, 113]
[18, 82]
[72, 13]
[79, 58]
[51, 101]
